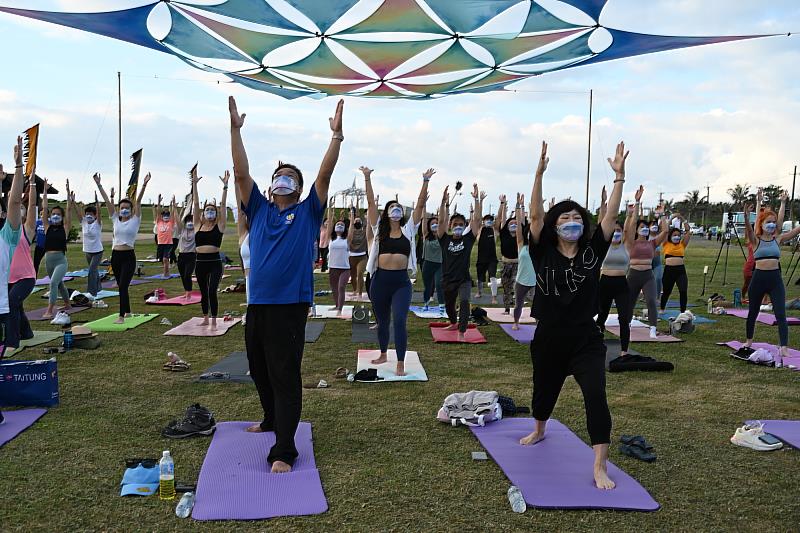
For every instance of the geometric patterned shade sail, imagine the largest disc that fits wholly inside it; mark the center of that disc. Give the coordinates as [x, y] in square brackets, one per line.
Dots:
[388, 48]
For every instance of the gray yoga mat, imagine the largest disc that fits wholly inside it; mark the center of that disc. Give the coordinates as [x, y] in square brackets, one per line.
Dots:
[314, 330]
[232, 368]
[363, 335]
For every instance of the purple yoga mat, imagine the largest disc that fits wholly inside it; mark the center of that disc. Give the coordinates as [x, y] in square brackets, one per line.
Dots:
[113, 284]
[793, 360]
[765, 318]
[46, 280]
[524, 335]
[235, 482]
[38, 314]
[786, 430]
[18, 421]
[556, 473]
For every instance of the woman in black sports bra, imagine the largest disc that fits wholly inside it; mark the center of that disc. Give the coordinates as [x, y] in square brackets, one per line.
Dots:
[209, 225]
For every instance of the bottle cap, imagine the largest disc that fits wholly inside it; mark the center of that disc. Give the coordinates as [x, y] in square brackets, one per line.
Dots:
[165, 454]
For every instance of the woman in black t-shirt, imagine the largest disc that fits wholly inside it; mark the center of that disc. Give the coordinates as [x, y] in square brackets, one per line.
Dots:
[567, 340]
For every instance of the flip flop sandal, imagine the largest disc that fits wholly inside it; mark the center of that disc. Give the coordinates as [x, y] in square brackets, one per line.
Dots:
[340, 373]
[637, 452]
[321, 385]
[636, 440]
[176, 366]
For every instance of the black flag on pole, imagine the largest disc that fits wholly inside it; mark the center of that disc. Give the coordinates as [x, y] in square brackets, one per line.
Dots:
[30, 138]
[136, 167]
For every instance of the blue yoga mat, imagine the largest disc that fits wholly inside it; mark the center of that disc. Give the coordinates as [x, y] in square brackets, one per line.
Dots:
[672, 313]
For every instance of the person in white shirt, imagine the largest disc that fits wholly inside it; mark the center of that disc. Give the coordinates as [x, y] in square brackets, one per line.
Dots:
[91, 226]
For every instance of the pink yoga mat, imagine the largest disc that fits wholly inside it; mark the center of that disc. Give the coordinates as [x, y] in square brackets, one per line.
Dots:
[471, 336]
[18, 421]
[194, 298]
[38, 314]
[192, 328]
[235, 482]
[792, 360]
[556, 473]
[764, 318]
[496, 314]
[643, 335]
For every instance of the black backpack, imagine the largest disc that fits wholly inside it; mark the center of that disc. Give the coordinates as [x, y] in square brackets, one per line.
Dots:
[509, 407]
[479, 315]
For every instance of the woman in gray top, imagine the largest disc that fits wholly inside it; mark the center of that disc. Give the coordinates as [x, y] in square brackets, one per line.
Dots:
[187, 255]
[432, 263]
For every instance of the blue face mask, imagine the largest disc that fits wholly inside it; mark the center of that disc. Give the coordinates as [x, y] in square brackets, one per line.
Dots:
[512, 228]
[283, 185]
[396, 213]
[90, 219]
[339, 228]
[210, 215]
[769, 227]
[675, 239]
[165, 218]
[458, 231]
[125, 212]
[617, 237]
[488, 223]
[570, 231]
[644, 232]
[55, 219]
[434, 226]
[190, 225]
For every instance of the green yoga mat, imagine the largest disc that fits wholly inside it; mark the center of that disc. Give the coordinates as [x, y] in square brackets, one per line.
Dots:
[107, 323]
[39, 337]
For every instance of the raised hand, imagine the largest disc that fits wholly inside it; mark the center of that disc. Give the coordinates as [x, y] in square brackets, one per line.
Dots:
[331, 202]
[603, 195]
[445, 195]
[366, 171]
[618, 163]
[543, 160]
[159, 199]
[237, 121]
[67, 187]
[225, 177]
[112, 191]
[475, 191]
[483, 196]
[784, 196]
[428, 173]
[336, 121]
[631, 209]
[639, 193]
[147, 179]
[18, 151]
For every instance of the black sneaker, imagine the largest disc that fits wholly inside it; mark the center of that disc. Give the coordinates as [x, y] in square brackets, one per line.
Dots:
[743, 353]
[198, 421]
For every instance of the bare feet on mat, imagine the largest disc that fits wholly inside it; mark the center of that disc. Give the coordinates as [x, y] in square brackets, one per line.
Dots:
[461, 337]
[601, 478]
[494, 300]
[205, 321]
[477, 295]
[120, 320]
[214, 323]
[533, 438]
[515, 327]
[401, 368]
[47, 316]
[255, 428]
[279, 467]
[67, 307]
[128, 315]
[451, 327]
[380, 360]
[187, 295]
[338, 312]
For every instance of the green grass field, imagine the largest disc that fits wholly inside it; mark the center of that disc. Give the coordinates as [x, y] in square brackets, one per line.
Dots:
[386, 463]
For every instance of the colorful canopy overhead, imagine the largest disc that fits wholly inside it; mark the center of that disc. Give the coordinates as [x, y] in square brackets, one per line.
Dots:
[374, 48]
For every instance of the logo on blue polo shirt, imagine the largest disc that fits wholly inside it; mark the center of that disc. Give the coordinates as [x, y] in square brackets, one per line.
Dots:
[289, 218]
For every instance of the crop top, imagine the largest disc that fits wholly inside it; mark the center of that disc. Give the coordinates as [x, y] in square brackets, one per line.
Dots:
[674, 250]
[399, 245]
[767, 250]
[125, 231]
[212, 237]
[55, 240]
[616, 258]
[643, 249]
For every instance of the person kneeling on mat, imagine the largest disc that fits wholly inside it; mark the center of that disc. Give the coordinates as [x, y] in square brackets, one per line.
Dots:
[456, 250]
[391, 258]
[567, 340]
[283, 231]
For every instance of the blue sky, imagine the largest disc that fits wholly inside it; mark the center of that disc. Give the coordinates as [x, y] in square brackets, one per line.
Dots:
[715, 115]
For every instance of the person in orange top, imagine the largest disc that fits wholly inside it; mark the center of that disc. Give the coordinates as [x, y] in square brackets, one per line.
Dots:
[165, 226]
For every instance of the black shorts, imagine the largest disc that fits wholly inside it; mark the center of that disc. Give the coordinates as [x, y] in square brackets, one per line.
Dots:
[163, 251]
[486, 267]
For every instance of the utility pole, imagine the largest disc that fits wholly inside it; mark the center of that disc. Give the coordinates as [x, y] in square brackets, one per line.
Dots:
[119, 129]
[791, 202]
[708, 204]
[589, 152]
[660, 198]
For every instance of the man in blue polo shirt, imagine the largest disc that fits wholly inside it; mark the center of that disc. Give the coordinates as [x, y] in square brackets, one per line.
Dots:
[282, 233]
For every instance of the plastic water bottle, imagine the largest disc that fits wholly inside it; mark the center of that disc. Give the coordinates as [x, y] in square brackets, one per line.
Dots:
[516, 499]
[69, 341]
[166, 477]
[184, 508]
[710, 306]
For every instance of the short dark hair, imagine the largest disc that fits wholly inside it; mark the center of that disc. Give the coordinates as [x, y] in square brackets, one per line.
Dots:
[290, 166]
[458, 216]
[125, 201]
[488, 217]
[549, 236]
[165, 212]
[188, 218]
[90, 209]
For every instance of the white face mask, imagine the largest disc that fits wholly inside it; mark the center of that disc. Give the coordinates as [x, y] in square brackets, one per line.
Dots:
[570, 231]
[434, 226]
[769, 227]
[644, 232]
[617, 237]
[125, 212]
[396, 213]
[675, 239]
[512, 228]
[90, 219]
[283, 185]
[653, 229]
[458, 231]
[190, 225]
[210, 215]
[165, 218]
[488, 223]
[339, 228]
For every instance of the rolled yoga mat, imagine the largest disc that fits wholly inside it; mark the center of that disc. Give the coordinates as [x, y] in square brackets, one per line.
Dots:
[235, 482]
[764, 318]
[413, 366]
[39, 337]
[556, 473]
[194, 298]
[18, 421]
[193, 328]
[643, 335]
[362, 334]
[524, 335]
[107, 323]
[38, 314]
[497, 314]
[471, 336]
[786, 430]
[792, 361]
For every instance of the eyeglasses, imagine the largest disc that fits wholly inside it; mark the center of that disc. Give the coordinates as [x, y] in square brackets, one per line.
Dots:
[147, 463]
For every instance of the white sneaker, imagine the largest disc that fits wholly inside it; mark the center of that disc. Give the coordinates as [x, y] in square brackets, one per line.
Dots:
[748, 437]
[61, 319]
[653, 333]
[767, 308]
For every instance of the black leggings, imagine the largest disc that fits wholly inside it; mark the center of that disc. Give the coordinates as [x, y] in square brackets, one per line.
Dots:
[186, 261]
[615, 288]
[768, 282]
[675, 274]
[576, 350]
[123, 265]
[208, 270]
